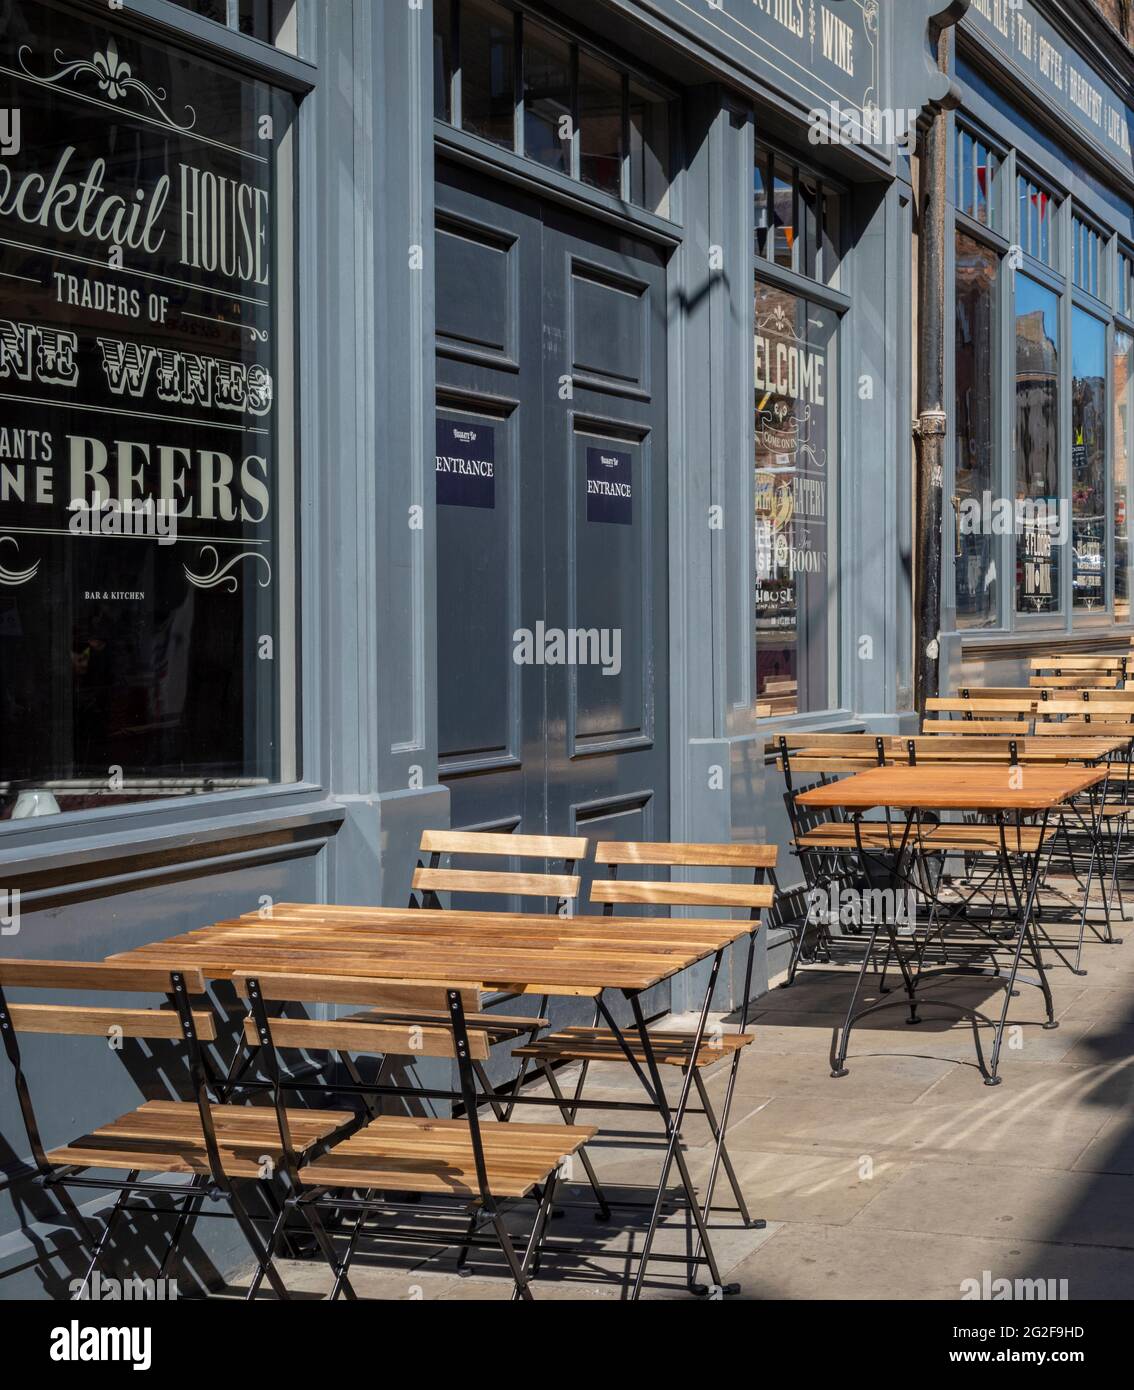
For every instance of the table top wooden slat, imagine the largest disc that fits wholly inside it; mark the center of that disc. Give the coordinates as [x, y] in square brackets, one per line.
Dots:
[956, 787]
[975, 749]
[527, 954]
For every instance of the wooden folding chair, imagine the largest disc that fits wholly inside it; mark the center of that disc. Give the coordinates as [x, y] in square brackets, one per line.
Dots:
[214, 1144]
[1104, 713]
[395, 1158]
[440, 876]
[830, 756]
[646, 1051]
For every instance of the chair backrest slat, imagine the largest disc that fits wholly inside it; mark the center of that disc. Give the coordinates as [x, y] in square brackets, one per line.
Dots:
[1089, 709]
[98, 1022]
[748, 895]
[96, 975]
[1099, 680]
[1098, 728]
[1077, 663]
[483, 881]
[434, 878]
[367, 1039]
[337, 989]
[971, 728]
[486, 842]
[686, 856]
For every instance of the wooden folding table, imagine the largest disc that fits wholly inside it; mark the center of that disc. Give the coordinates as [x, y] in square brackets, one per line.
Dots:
[1005, 794]
[514, 953]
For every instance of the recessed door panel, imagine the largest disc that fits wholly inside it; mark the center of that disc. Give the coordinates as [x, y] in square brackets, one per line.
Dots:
[611, 598]
[477, 610]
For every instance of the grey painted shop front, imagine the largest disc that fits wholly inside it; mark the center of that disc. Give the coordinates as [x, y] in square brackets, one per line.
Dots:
[431, 334]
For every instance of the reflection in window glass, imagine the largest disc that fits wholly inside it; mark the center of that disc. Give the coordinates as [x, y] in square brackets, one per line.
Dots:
[600, 125]
[809, 215]
[760, 199]
[216, 10]
[649, 150]
[1123, 369]
[443, 60]
[488, 82]
[1039, 538]
[1125, 285]
[548, 122]
[1037, 217]
[134, 624]
[1086, 262]
[976, 170]
[783, 215]
[256, 18]
[976, 577]
[832, 238]
[1088, 461]
[795, 471]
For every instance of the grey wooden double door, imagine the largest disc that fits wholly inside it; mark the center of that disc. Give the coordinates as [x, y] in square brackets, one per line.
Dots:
[552, 517]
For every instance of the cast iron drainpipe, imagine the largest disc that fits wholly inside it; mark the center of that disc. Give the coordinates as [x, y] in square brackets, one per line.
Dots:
[932, 423]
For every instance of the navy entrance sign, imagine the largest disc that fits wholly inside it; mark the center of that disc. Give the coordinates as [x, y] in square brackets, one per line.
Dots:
[466, 464]
[610, 486]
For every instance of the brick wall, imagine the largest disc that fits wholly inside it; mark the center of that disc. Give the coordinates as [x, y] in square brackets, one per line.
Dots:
[1121, 15]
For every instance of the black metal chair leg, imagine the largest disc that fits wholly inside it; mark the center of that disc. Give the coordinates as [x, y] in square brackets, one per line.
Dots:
[107, 1232]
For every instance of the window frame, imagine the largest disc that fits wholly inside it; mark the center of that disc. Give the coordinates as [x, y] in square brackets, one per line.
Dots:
[166, 820]
[1057, 234]
[840, 301]
[965, 127]
[1119, 324]
[1091, 227]
[998, 239]
[774, 153]
[1003, 546]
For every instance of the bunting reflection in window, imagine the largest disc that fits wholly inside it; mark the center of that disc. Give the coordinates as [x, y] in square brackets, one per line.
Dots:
[145, 439]
[795, 476]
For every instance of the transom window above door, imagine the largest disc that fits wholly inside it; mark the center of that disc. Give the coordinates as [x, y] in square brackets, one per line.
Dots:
[502, 75]
[259, 19]
[798, 218]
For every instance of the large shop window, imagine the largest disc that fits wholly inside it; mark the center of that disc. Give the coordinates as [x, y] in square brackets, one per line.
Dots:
[1122, 369]
[1088, 462]
[1040, 526]
[977, 578]
[146, 635]
[795, 506]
